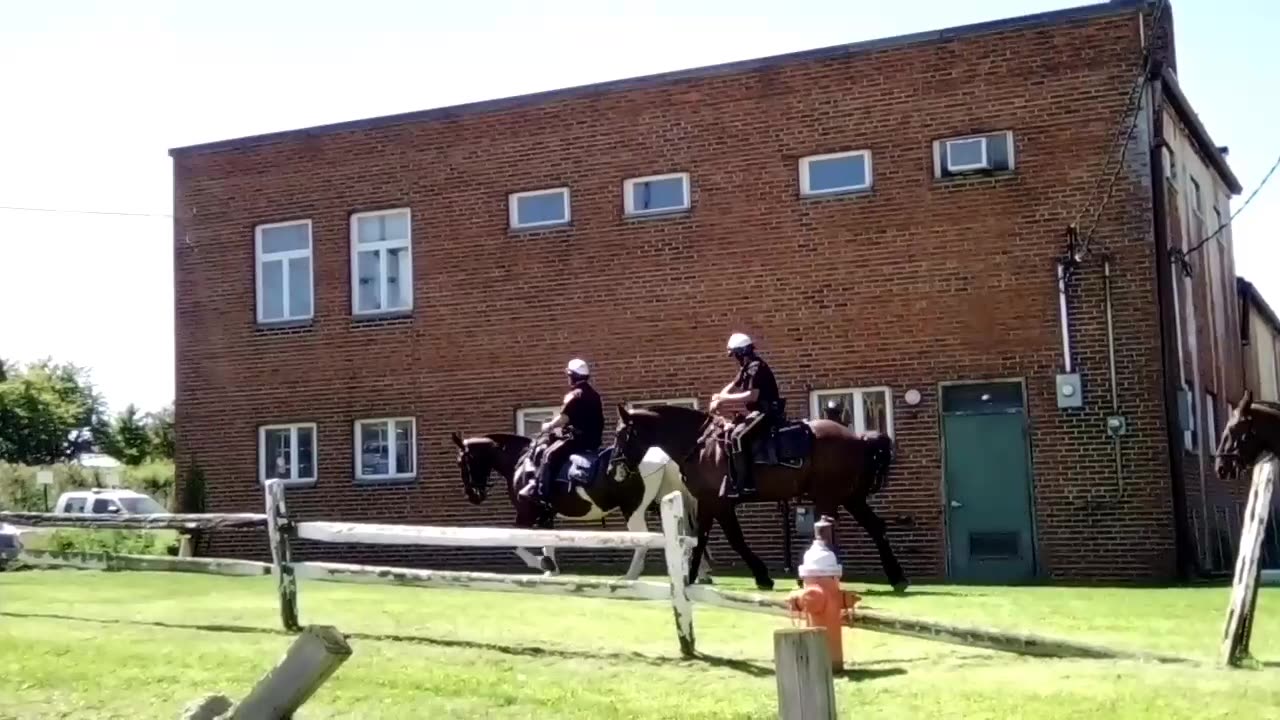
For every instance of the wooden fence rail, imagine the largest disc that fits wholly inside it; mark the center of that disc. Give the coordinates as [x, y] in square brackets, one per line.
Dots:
[158, 521]
[145, 563]
[673, 540]
[368, 533]
[495, 582]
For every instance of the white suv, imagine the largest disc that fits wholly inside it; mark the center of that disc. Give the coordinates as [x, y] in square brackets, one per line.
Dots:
[103, 501]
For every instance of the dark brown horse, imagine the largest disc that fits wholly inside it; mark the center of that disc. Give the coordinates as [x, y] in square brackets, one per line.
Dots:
[842, 469]
[504, 453]
[1252, 430]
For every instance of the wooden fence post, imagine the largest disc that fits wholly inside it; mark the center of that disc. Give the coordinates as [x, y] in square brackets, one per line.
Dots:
[802, 664]
[306, 665]
[278, 536]
[310, 660]
[677, 555]
[1244, 586]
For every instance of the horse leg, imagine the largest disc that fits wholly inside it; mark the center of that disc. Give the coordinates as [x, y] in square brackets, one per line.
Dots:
[733, 533]
[549, 566]
[875, 527]
[636, 523]
[705, 520]
[533, 561]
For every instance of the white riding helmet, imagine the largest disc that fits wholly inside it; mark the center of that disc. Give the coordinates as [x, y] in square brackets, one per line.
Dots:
[738, 342]
[578, 367]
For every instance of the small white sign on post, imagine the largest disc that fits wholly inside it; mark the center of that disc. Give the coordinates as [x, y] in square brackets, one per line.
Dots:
[111, 479]
[44, 477]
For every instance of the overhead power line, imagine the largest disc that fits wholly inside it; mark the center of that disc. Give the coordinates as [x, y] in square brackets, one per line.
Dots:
[68, 211]
[1180, 257]
[1132, 115]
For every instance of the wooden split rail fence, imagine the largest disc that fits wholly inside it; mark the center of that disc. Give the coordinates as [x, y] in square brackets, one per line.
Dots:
[674, 540]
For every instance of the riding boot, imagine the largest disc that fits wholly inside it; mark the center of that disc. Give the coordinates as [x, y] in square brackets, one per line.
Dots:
[537, 490]
[741, 484]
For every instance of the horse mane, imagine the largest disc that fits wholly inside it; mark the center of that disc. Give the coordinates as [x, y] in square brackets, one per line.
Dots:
[685, 416]
[505, 439]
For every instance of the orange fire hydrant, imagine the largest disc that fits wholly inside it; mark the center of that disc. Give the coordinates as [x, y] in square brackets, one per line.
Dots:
[821, 601]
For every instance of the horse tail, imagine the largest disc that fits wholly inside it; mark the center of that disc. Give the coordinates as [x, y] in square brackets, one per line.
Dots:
[879, 458]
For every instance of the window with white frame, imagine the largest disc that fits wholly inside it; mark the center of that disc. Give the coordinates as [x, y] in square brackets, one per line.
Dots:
[284, 289]
[538, 208]
[691, 403]
[973, 154]
[287, 452]
[385, 449]
[835, 173]
[529, 420]
[381, 262]
[862, 409]
[656, 194]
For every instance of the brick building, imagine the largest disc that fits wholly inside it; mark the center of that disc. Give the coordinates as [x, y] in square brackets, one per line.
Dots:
[885, 218]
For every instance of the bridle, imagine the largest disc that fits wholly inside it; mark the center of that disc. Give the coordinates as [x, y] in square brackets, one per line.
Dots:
[475, 489]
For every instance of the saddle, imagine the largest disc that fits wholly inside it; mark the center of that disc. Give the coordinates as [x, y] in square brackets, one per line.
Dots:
[581, 470]
[785, 443]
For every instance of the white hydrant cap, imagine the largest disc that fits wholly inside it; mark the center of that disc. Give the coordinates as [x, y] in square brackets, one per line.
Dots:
[819, 560]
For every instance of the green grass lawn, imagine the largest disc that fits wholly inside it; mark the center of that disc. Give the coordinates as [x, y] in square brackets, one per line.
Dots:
[141, 645]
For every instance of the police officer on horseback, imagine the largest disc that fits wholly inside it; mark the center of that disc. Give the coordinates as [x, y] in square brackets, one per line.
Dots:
[756, 388]
[578, 427]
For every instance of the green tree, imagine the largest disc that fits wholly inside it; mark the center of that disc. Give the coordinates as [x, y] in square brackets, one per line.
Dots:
[160, 427]
[128, 438]
[49, 412]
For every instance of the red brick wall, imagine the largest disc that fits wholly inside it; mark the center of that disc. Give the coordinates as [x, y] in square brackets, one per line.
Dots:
[917, 283]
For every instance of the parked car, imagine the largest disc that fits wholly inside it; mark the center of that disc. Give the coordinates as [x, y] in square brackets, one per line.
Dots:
[10, 544]
[107, 500]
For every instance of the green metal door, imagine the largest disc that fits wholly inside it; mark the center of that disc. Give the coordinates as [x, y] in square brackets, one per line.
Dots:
[987, 474]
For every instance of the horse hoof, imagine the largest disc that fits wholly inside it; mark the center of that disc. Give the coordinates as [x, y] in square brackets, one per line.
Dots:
[765, 584]
[704, 581]
[901, 587]
[547, 565]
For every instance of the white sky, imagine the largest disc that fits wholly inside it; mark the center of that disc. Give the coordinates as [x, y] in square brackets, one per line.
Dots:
[92, 94]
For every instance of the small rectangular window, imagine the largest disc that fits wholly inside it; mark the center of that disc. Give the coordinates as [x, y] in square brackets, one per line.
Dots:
[529, 420]
[284, 288]
[967, 154]
[862, 409]
[381, 262]
[835, 173]
[973, 155]
[288, 453]
[385, 449]
[656, 194]
[538, 208]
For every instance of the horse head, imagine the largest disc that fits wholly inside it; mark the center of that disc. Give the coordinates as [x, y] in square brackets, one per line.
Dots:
[676, 430]
[475, 461]
[632, 438]
[1241, 442]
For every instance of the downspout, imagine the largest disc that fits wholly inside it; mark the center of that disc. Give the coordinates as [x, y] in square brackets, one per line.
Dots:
[1062, 314]
[1168, 328]
[1111, 370]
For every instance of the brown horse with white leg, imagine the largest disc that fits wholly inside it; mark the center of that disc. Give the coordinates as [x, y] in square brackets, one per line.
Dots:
[827, 463]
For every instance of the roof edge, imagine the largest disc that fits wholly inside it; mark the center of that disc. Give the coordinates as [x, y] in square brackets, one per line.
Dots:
[1181, 105]
[1251, 292]
[1052, 17]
